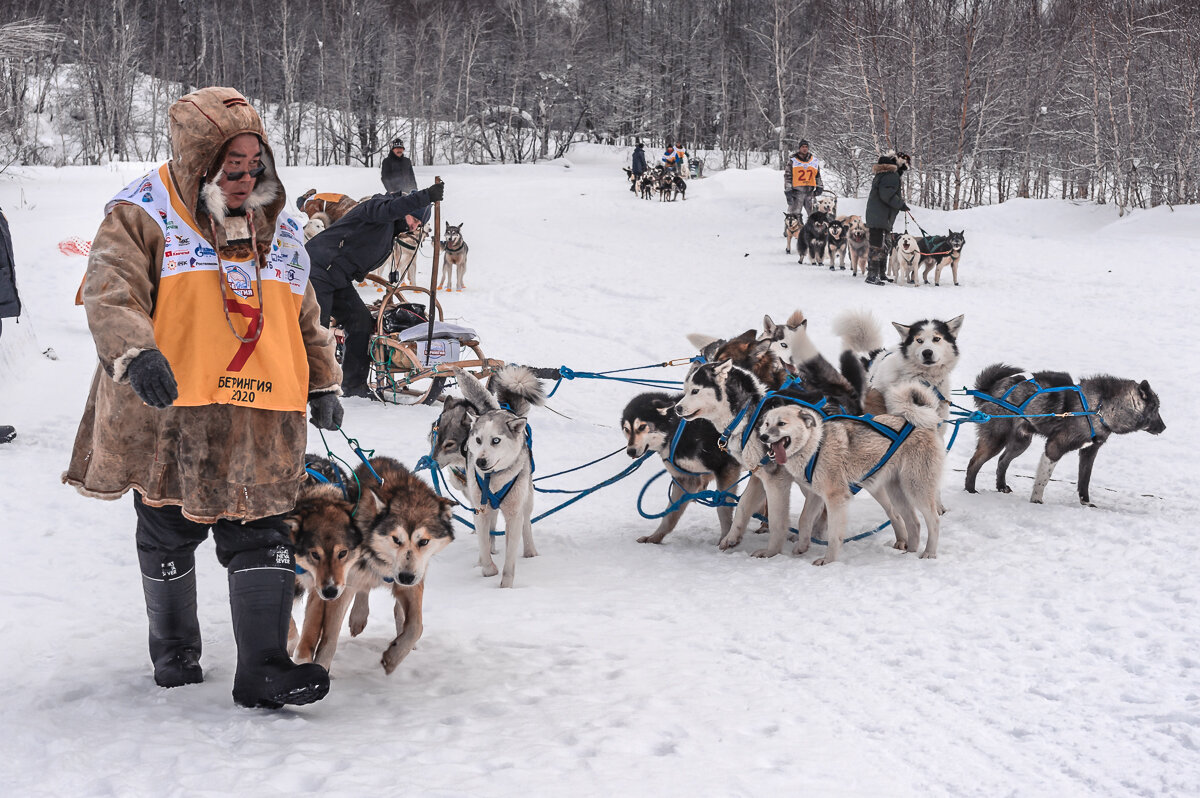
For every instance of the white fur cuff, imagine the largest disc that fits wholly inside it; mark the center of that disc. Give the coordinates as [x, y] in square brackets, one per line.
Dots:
[121, 365]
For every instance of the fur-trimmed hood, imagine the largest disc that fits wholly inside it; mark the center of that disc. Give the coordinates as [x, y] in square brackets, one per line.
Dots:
[201, 126]
[880, 168]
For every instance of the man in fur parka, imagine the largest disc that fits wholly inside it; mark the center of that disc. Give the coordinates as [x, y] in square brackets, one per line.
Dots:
[210, 348]
[883, 205]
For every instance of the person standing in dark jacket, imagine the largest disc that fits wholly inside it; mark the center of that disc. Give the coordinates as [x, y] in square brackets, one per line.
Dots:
[345, 253]
[639, 164]
[397, 171]
[10, 303]
[883, 205]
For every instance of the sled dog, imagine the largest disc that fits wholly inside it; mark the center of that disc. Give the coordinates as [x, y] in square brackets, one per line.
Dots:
[813, 238]
[650, 423]
[927, 352]
[513, 386]
[826, 457]
[939, 251]
[455, 262]
[859, 244]
[313, 227]
[837, 244]
[404, 524]
[826, 204]
[500, 481]
[748, 351]
[328, 543]
[906, 256]
[326, 207]
[719, 392]
[791, 229]
[1120, 406]
[791, 344]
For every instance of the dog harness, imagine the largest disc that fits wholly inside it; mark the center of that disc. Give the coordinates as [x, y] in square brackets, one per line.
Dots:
[897, 437]
[671, 452]
[258, 365]
[446, 245]
[1019, 410]
[493, 499]
[723, 440]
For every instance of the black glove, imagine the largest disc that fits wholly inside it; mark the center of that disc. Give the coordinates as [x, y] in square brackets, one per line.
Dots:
[904, 206]
[818, 192]
[435, 192]
[151, 378]
[326, 411]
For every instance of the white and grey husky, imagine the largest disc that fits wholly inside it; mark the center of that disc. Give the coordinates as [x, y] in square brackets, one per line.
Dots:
[831, 458]
[927, 352]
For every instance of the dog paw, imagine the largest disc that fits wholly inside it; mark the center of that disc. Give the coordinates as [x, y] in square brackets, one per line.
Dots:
[1035, 501]
[728, 542]
[801, 547]
[822, 561]
[650, 539]
[530, 551]
[394, 655]
[900, 545]
[506, 580]
[1004, 489]
[356, 626]
[1086, 503]
[490, 569]
[927, 555]
[762, 554]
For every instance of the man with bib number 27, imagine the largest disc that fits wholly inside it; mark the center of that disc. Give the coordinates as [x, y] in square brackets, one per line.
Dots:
[802, 179]
[210, 347]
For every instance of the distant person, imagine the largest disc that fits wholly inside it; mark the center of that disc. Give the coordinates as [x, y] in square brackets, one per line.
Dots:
[349, 249]
[639, 165]
[883, 205]
[685, 167]
[396, 171]
[210, 348]
[670, 158]
[802, 179]
[10, 302]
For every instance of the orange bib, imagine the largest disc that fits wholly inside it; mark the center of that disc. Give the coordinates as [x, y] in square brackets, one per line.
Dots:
[211, 365]
[804, 173]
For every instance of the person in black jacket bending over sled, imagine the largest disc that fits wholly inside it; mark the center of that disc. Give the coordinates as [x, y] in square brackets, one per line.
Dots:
[396, 172]
[345, 253]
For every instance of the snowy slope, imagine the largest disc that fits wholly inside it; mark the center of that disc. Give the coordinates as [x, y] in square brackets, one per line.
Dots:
[1049, 650]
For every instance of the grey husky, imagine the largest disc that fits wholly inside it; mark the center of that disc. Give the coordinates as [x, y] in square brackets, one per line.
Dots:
[692, 459]
[499, 480]
[826, 457]
[512, 386]
[1120, 406]
[456, 250]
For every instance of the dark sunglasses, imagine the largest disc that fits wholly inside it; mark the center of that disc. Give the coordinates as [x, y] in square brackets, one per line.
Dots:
[255, 173]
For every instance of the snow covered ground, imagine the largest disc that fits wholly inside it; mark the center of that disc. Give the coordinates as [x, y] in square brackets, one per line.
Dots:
[1049, 650]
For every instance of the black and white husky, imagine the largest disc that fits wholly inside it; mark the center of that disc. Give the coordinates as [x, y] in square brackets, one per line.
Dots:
[927, 353]
[791, 344]
[691, 454]
[938, 251]
[1120, 406]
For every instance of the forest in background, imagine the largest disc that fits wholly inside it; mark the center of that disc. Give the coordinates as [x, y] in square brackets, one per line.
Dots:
[1083, 99]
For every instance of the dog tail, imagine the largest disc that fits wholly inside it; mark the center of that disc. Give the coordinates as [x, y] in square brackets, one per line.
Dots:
[859, 331]
[992, 376]
[475, 392]
[914, 402]
[519, 388]
[303, 198]
[854, 372]
[701, 340]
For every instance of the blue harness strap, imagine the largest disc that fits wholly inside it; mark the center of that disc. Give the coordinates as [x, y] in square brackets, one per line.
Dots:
[897, 437]
[1019, 410]
[674, 445]
[492, 498]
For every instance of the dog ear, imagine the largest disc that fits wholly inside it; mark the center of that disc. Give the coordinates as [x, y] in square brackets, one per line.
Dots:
[903, 329]
[517, 425]
[955, 324]
[664, 406]
[810, 420]
[1145, 391]
[370, 507]
[292, 522]
[723, 367]
[768, 328]
[446, 511]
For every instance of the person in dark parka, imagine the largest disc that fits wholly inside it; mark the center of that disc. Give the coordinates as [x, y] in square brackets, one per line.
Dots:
[639, 164]
[883, 205]
[10, 302]
[345, 253]
[396, 172]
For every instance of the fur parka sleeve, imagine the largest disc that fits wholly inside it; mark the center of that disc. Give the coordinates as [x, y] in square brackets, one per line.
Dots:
[120, 287]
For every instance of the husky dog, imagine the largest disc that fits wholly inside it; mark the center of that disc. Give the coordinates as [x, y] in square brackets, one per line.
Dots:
[315, 225]
[456, 250]
[1120, 406]
[513, 386]
[938, 251]
[826, 204]
[500, 480]
[328, 543]
[858, 243]
[927, 352]
[719, 392]
[650, 422]
[646, 184]
[748, 351]
[791, 229]
[791, 344]
[813, 238]
[827, 457]
[631, 177]
[404, 525]
[906, 256]
[837, 244]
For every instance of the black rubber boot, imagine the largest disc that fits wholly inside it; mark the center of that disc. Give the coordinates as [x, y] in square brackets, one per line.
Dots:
[260, 596]
[169, 584]
[876, 267]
